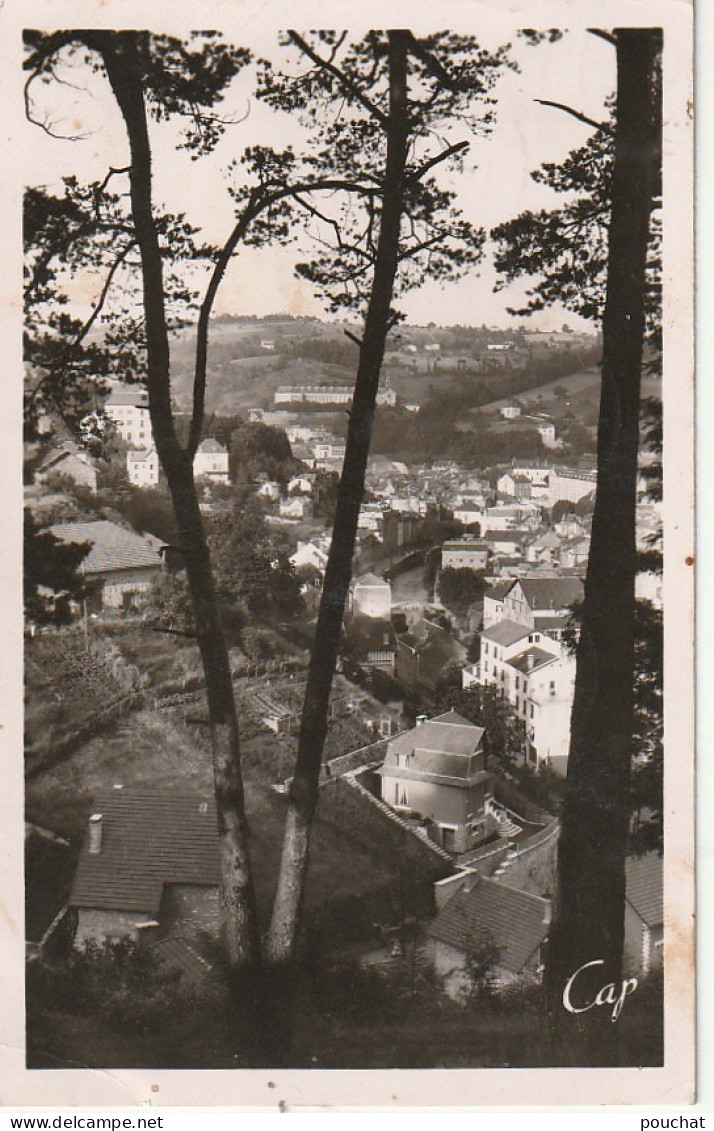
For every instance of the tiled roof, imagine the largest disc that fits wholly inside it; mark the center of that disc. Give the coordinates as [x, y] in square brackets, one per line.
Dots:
[449, 733]
[505, 632]
[69, 448]
[531, 659]
[113, 547]
[515, 920]
[141, 455]
[150, 838]
[644, 887]
[552, 592]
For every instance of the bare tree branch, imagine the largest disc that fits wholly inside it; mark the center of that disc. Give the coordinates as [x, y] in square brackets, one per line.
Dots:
[86, 327]
[344, 80]
[575, 114]
[459, 147]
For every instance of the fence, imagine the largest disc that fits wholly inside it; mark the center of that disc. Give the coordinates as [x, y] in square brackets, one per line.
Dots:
[41, 758]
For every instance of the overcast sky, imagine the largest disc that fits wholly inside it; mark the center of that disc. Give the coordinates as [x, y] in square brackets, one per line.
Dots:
[496, 185]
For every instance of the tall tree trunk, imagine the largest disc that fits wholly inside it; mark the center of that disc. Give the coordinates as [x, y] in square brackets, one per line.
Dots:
[282, 938]
[589, 921]
[239, 922]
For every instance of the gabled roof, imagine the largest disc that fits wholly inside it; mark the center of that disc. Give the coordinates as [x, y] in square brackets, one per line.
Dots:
[68, 448]
[644, 887]
[506, 632]
[441, 751]
[449, 733]
[113, 547]
[552, 593]
[150, 837]
[515, 919]
[141, 455]
[500, 590]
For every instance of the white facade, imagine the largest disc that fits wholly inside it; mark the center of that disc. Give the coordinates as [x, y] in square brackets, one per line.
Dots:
[142, 467]
[297, 507]
[511, 411]
[311, 554]
[537, 677]
[547, 435]
[313, 394]
[570, 485]
[129, 412]
[371, 596]
[464, 553]
[211, 462]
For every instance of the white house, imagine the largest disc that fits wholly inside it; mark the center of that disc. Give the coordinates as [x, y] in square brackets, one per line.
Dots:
[211, 461]
[537, 676]
[297, 507]
[128, 409]
[547, 434]
[142, 467]
[464, 553]
[511, 411]
[371, 596]
[269, 490]
[570, 484]
[122, 564]
[542, 603]
[311, 554]
[71, 461]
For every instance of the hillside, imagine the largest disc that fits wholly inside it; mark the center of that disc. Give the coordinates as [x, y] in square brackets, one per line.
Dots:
[249, 358]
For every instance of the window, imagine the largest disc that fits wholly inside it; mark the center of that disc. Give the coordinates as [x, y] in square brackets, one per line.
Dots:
[552, 687]
[532, 710]
[518, 682]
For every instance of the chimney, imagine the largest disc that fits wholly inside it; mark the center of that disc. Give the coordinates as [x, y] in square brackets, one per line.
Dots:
[95, 834]
[421, 719]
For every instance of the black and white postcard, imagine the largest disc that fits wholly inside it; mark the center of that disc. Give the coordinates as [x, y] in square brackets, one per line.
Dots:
[348, 433]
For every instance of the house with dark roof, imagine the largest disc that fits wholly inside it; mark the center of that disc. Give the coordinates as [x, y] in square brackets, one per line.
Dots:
[71, 461]
[121, 563]
[483, 909]
[644, 914]
[423, 653]
[437, 772]
[531, 599]
[149, 867]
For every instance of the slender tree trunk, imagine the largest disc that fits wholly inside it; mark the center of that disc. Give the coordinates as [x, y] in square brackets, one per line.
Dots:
[239, 923]
[589, 920]
[282, 938]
